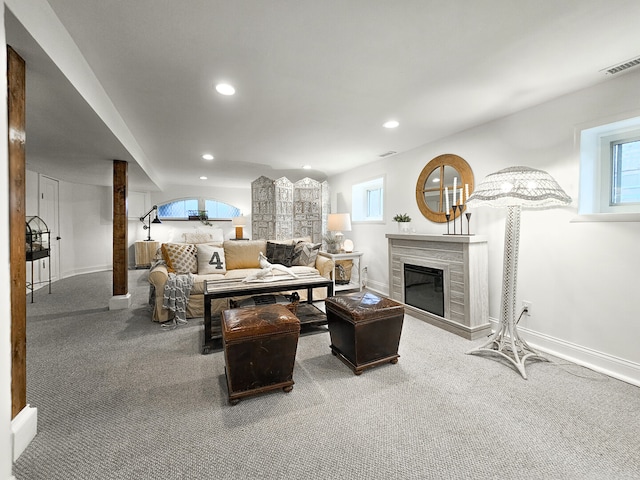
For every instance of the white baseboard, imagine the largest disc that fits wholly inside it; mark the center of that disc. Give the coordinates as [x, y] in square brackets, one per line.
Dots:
[82, 271]
[378, 287]
[598, 361]
[24, 428]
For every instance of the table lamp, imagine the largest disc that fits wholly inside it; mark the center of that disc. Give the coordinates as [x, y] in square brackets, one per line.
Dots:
[514, 188]
[337, 223]
[239, 223]
[155, 220]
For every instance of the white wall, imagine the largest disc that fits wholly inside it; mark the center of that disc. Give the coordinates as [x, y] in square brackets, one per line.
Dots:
[581, 277]
[86, 228]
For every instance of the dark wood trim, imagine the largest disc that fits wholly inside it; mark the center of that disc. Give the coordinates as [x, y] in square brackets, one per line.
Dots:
[120, 229]
[16, 107]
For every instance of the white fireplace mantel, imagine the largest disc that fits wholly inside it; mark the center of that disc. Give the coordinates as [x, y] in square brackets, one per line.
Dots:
[464, 260]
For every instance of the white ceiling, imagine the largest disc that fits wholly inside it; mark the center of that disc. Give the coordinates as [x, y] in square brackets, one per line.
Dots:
[315, 79]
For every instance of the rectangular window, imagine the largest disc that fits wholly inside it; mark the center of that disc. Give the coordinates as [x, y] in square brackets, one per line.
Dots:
[610, 171]
[625, 172]
[374, 203]
[367, 201]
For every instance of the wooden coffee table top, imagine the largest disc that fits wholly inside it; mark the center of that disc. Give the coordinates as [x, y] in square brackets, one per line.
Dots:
[236, 287]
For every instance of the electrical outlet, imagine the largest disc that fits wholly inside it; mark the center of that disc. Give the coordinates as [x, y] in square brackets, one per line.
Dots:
[528, 306]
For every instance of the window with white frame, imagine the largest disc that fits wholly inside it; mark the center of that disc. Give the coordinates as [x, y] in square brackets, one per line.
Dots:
[625, 172]
[367, 200]
[610, 168]
[182, 209]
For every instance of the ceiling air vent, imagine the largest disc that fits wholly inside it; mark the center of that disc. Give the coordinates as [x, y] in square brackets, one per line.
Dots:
[387, 154]
[622, 66]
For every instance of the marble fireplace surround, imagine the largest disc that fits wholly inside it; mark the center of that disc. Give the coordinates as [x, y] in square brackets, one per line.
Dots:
[464, 262]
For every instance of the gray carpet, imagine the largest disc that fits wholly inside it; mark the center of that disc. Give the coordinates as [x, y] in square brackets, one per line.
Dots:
[120, 398]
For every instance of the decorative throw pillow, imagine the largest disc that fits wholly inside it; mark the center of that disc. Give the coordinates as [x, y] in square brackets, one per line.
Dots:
[280, 253]
[305, 254]
[243, 253]
[180, 257]
[211, 260]
[196, 237]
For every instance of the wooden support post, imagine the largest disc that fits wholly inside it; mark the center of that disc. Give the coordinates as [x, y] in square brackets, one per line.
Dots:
[120, 229]
[17, 184]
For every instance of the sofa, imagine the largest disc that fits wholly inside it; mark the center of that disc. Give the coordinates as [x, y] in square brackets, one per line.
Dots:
[231, 259]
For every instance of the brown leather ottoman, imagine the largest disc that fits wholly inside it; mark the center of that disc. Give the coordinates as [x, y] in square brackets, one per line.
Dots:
[259, 349]
[365, 329]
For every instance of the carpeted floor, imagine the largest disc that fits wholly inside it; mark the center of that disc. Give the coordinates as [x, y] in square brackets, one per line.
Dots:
[118, 397]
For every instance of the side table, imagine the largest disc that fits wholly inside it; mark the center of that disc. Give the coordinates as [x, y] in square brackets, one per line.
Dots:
[145, 252]
[356, 258]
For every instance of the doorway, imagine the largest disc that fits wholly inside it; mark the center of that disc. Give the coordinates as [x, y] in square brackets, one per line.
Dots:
[49, 210]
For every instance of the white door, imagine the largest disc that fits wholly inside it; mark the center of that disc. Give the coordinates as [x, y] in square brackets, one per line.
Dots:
[48, 209]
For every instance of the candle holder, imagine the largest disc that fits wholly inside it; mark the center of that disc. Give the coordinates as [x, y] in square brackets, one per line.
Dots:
[468, 215]
[454, 208]
[461, 207]
[447, 216]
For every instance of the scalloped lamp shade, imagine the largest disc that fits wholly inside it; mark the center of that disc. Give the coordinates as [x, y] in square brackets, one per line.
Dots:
[519, 186]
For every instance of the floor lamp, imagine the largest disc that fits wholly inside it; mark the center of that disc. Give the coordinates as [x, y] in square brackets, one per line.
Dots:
[514, 188]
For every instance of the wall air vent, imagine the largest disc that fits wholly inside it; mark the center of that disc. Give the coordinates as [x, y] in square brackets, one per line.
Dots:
[622, 66]
[387, 154]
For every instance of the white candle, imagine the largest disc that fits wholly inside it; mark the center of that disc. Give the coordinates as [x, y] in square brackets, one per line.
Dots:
[460, 197]
[466, 192]
[446, 197]
[455, 184]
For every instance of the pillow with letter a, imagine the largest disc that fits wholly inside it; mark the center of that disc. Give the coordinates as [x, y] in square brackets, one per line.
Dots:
[211, 260]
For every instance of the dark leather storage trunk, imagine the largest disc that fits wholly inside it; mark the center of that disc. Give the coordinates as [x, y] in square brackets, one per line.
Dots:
[260, 346]
[365, 329]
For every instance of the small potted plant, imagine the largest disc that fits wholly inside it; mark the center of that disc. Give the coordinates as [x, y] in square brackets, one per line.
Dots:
[404, 222]
[332, 242]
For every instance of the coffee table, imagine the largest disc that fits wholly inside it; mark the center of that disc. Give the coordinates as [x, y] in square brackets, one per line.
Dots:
[307, 313]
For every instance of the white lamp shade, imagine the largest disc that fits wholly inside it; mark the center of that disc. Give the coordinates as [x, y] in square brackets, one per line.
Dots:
[339, 222]
[238, 221]
[519, 186]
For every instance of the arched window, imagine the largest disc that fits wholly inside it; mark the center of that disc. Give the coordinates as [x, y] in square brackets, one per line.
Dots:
[184, 208]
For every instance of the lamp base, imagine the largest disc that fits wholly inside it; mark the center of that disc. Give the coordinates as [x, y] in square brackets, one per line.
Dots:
[506, 343]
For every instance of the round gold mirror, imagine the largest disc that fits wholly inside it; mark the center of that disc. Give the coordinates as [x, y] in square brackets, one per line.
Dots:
[438, 177]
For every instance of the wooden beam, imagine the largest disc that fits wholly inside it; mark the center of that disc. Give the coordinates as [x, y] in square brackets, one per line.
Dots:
[120, 229]
[16, 105]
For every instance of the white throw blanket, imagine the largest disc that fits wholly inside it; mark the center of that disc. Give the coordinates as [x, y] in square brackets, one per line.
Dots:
[176, 296]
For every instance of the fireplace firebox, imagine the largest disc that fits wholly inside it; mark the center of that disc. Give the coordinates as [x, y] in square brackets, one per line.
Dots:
[423, 288]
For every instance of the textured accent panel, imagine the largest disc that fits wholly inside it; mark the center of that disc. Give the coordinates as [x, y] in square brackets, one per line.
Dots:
[281, 209]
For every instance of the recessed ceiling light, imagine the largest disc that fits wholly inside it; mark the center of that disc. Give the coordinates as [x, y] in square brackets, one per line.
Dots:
[391, 124]
[207, 156]
[225, 89]
[436, 180]
[306, 167]
[203, 178]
